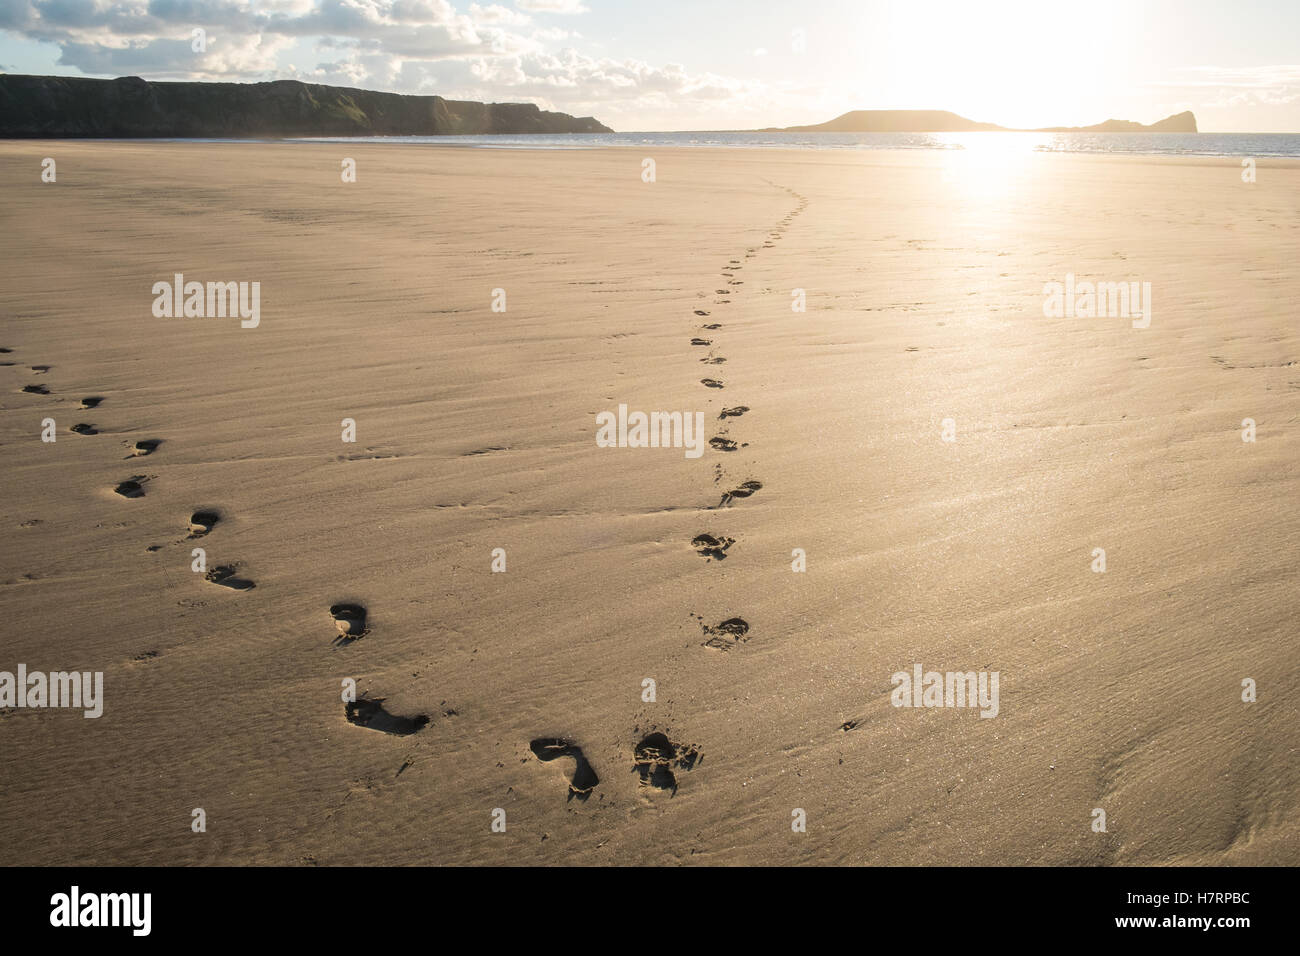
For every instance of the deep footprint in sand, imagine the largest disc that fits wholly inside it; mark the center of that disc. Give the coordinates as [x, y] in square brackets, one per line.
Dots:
[710, 383]
[350, 620]
[700, 342]
[734, 412]
[743, 490]
[712, 325]
[146, 446]
[371, 714]
[133, 487]
[584, 778]
[201, 522]
[91, 401]
[225, 576]
[713, 360]
[700, 312]
[36, 389]
[657, 758]
[728, 634]
[711, 548]
[81, 428]
[723, 444]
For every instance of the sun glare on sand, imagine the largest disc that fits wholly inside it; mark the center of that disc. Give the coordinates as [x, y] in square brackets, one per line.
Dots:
[986, 165]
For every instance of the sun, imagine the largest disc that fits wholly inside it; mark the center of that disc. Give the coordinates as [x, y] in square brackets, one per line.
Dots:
[1017, 63]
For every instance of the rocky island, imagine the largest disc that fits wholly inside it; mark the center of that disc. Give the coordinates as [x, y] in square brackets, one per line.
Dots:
[941, 121]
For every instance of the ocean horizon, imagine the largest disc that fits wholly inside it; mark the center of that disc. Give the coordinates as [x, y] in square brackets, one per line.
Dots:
[1275, 145]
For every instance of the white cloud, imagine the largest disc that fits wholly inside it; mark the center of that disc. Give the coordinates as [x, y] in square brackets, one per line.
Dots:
[1273, 85]
[495, 13]
[488, 52]
[552, 6]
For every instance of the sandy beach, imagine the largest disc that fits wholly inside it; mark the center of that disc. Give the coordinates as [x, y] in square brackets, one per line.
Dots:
[923, 275]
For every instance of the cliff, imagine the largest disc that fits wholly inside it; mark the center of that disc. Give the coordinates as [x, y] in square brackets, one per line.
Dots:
[56, 106]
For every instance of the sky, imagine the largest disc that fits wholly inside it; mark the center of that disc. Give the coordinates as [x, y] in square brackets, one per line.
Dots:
[712, 64]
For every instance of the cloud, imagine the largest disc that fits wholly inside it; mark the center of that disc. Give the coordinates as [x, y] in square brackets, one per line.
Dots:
[552, 6]
[225, 57]
[1273, 85]
[495, 13]
[489, 51]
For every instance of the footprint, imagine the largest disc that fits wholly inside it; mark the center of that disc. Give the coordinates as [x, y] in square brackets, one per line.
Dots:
[133, 487]
[700, 312]
[712, 325]
[709, 547]
[734, 412]
[201, 522]
[722, 291]
[225, 576]
[350, 619]
[36, 389]
[91, 401]
[83, 429]
[371, 714]
[723, 444]
[41, 369]
[146, 446]
[552, 748]
[744, 490]
[657, 757]
[710, 383]
[728, 634]
[713, 360]
[700, 342]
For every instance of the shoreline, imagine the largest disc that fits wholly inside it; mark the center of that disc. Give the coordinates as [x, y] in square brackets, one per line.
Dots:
[1284, 161]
